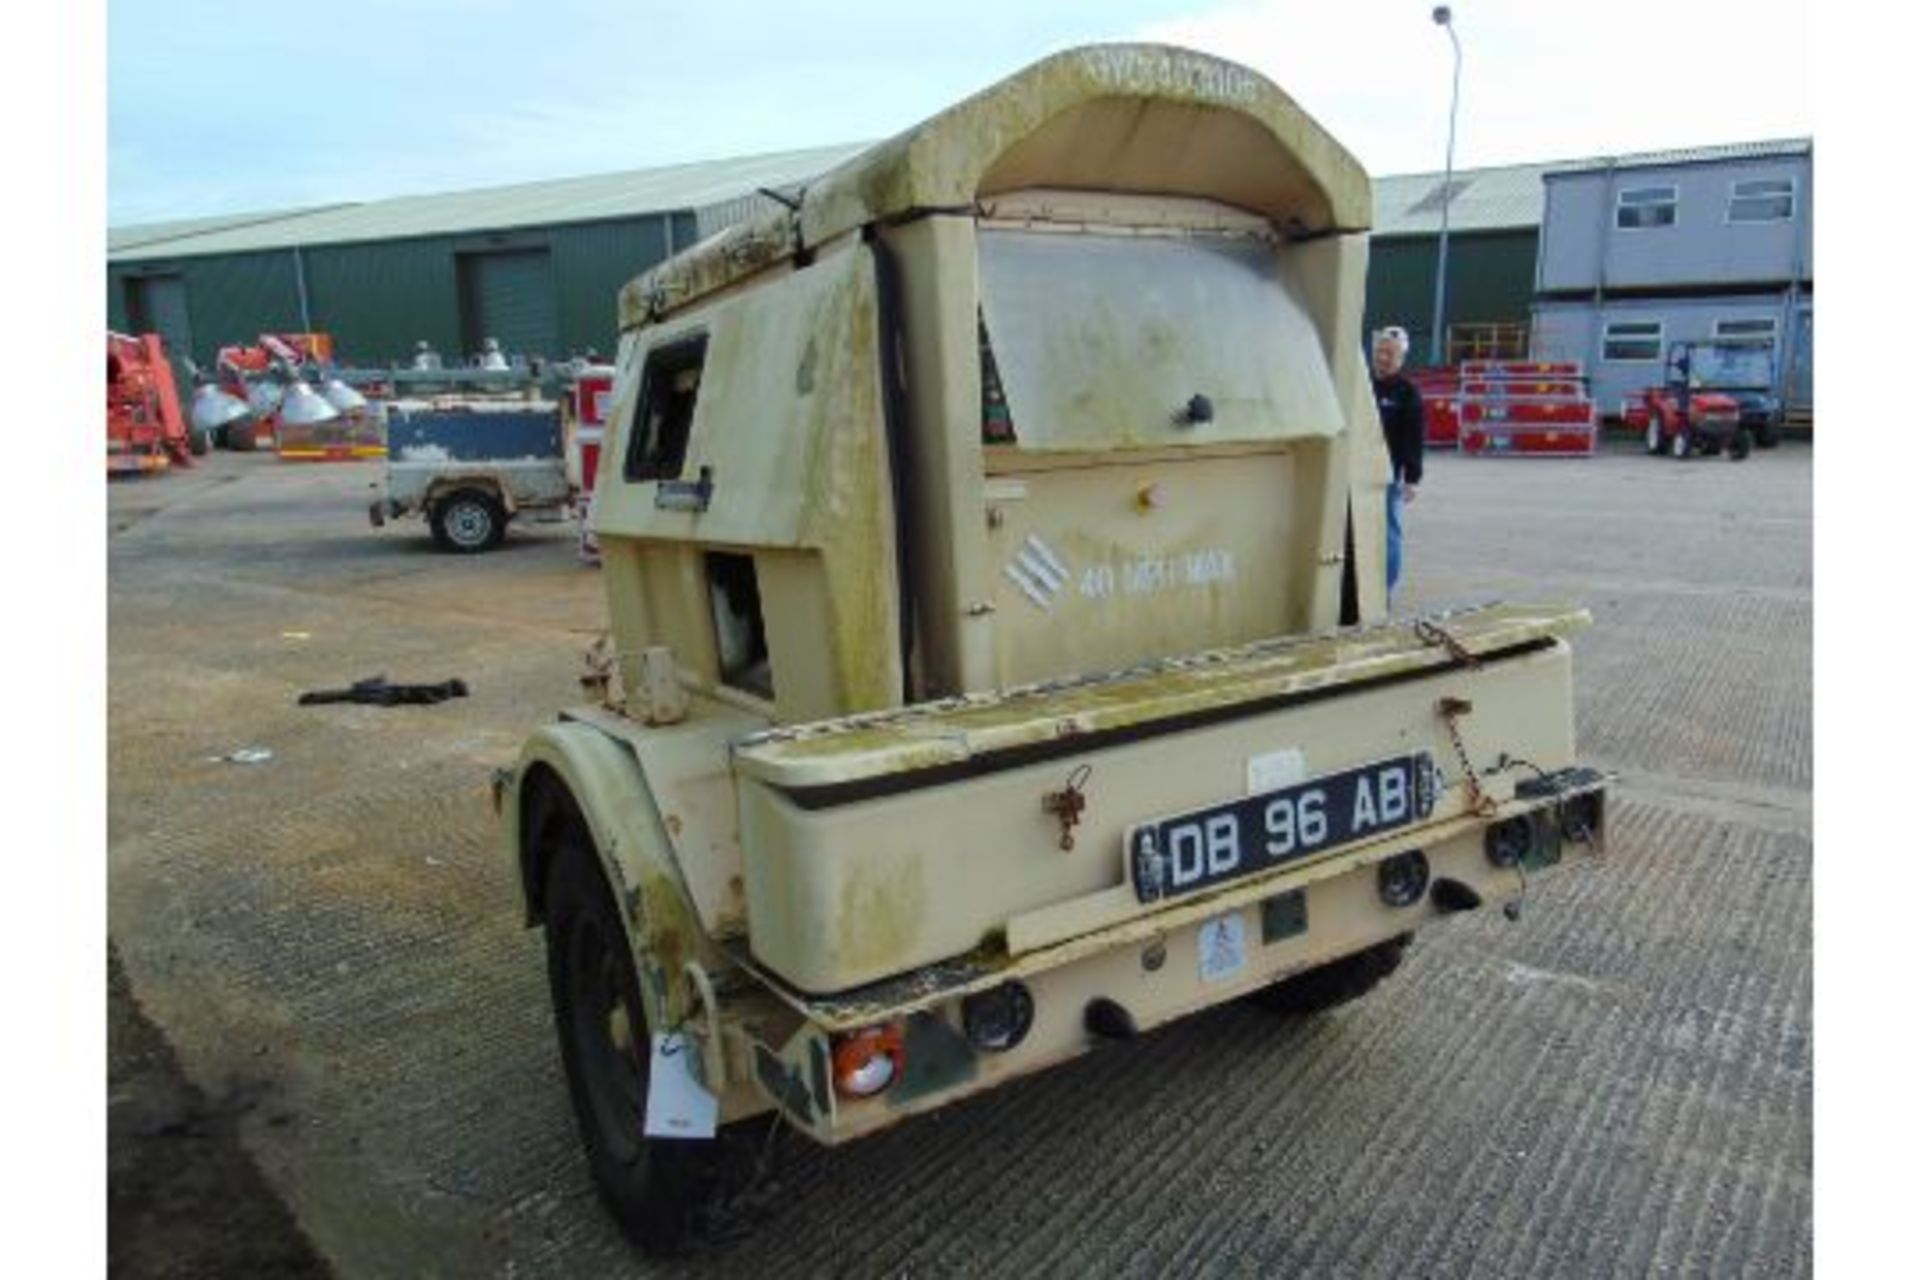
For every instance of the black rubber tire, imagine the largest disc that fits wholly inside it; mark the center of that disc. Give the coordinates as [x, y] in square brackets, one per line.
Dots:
[1767, 435]
[652, 1187]
[199, 443]
[468, 521]
[1334, 984]
[1740, 445]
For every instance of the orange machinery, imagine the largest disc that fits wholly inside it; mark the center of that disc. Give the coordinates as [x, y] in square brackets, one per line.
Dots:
[145, 429]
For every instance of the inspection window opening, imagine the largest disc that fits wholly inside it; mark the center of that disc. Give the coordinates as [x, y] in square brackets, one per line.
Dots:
[663, 415]
[739, 628]
[996, 420]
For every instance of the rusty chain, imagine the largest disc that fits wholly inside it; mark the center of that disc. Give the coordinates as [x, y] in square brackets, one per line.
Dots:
[1479, 803]
[1433, 633]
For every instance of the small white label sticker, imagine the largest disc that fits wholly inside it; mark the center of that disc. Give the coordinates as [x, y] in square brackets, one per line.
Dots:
[1223, 947]
[678, 1105]
[1275, 769]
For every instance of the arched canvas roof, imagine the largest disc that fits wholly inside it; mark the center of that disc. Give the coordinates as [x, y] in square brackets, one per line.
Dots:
[1123, 117]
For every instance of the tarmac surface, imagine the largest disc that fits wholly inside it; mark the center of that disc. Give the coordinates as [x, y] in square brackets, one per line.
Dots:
[1619, 1084]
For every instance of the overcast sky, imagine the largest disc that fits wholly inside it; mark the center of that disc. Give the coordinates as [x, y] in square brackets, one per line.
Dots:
[218, 108]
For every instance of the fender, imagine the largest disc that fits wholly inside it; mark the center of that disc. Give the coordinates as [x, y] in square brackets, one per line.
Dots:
[610, 790]
[486, 480]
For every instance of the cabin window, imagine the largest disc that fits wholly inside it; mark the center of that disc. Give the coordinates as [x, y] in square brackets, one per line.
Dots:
[1759, 331]
[1761, 200]
[663, 412]
[1640, 208]
[739, 627]
[1632, 341]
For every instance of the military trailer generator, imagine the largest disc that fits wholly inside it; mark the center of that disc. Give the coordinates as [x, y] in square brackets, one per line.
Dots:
[999, 662]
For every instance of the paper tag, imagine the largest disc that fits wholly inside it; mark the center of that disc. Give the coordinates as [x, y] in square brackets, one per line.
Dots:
[678, 1105]
[1223, 947]
[1275, 769]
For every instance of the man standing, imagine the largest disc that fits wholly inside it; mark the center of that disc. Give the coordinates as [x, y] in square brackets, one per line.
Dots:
[1406, 430]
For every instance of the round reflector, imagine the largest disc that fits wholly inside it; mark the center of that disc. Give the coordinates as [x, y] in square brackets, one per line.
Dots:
[867, 1061]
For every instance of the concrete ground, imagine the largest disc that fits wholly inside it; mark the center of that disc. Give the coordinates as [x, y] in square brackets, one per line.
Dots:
[1618, 1084]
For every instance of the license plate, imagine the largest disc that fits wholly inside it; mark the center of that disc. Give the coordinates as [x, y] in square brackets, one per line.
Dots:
[1189, 852]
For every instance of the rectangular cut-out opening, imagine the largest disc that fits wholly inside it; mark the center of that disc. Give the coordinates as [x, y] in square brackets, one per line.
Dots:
[739, 625]
[663, 412]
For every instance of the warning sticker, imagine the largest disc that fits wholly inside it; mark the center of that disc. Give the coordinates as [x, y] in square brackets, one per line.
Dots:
[1223, 947]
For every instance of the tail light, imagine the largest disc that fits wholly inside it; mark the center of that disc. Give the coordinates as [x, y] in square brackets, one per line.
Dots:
[865, 1062]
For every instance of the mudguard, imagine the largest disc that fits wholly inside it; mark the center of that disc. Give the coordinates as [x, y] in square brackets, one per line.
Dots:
[612, 794]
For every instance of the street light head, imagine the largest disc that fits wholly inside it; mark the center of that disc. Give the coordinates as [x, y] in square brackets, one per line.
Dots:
[1443, 15]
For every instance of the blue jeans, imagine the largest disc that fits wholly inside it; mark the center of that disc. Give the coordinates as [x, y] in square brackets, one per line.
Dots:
[1393, 538]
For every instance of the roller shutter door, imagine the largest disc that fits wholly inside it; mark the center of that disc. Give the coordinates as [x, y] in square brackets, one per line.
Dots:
[509, 297]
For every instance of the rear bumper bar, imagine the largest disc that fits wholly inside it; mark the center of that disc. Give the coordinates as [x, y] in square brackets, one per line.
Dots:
[1154, 968]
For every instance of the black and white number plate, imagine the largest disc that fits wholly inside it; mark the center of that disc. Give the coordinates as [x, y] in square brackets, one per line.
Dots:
[1183, 854]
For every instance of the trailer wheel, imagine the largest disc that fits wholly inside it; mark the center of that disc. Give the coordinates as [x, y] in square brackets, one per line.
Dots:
[468, 521]
[651, 1186]
[1336, 983]
[1768, 436]
[1656, 441]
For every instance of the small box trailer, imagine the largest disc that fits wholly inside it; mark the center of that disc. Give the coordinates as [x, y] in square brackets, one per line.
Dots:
[470, 466]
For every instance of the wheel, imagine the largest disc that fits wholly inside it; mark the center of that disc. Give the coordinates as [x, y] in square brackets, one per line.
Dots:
[1768, 434]
[1740, 445]
[468, 521]
[1710, 448]
[1334, 984]
[651, 1186]
[1656, 441]
[1682, 443]
[199, 442]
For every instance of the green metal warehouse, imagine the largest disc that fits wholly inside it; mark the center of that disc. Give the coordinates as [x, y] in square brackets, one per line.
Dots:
[1493, 236]
[538, 265]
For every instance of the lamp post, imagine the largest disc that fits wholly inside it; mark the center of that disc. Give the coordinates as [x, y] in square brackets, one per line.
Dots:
[1443, 17]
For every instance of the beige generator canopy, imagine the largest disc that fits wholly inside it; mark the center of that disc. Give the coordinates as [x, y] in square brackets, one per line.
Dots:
[1066, 378]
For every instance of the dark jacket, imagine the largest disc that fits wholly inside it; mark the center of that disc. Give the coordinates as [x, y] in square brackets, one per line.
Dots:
[1404, 422]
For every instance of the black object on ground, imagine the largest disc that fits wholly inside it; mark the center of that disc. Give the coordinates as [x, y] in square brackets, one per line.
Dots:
[375, 691]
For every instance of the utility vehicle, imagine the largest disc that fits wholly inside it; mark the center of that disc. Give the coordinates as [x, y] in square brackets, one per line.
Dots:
[999, 662]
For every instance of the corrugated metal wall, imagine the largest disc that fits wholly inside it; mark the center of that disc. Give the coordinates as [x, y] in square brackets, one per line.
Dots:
[238, 295]
[590, 263]
[1489, 279]
[380, 298]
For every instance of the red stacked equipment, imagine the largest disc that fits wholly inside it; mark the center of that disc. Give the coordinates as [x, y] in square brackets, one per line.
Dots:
[1440, 404]
[1525, 408]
